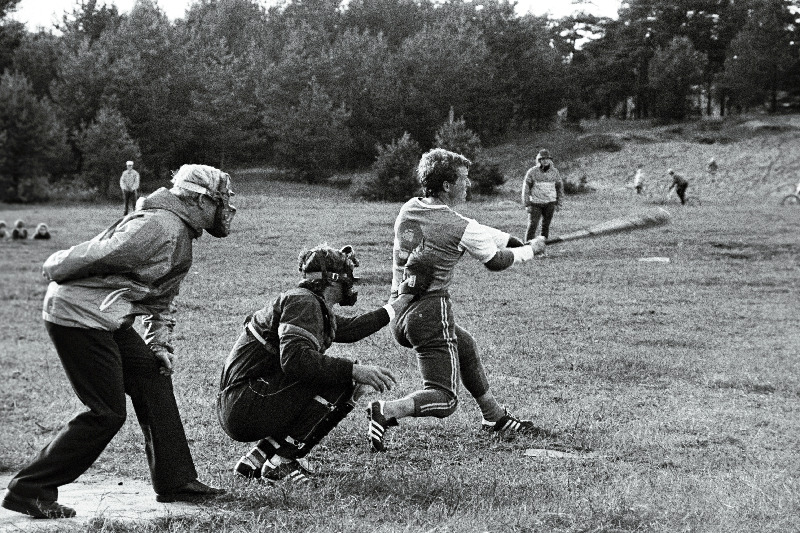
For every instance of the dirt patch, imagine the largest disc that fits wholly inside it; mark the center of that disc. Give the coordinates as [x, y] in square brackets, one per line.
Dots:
[94, 497]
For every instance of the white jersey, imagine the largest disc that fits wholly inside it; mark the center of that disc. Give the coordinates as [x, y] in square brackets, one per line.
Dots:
[445, 236]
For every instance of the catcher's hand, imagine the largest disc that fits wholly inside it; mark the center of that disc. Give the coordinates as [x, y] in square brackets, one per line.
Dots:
[379, 378]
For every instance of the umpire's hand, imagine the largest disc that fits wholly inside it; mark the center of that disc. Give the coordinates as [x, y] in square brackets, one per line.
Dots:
[166, 359]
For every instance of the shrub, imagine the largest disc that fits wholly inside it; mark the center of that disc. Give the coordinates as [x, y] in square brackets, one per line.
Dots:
[711, 124]
[106, 145]
[454, 136]
[486, 177]
[601, 142]
[312, 135]
[32, 139]
[75, 190]
[394, 175]
[33, 189]
[582, 187]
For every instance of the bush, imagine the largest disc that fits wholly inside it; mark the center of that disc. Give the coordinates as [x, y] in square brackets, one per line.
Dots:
[312, 135]
[106, 145]
[601, 142]
[581, 187]
[32, 140]
[454, 136]
[486, 177]
[394, 175]
[33, 190]
[75, 190]
[711, 124]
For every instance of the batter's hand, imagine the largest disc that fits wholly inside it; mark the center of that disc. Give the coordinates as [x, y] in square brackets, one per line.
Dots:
[167, 359]
[537, 245]
[379, 378]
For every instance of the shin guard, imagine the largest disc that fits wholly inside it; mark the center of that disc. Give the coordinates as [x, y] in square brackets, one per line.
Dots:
[318, 419]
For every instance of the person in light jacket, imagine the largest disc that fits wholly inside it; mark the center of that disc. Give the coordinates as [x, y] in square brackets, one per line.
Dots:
[542, 194]
[97, 289]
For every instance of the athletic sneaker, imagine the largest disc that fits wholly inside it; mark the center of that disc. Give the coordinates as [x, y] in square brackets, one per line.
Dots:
[510, 423]
[292, 472]
[247, 468]
[377, 425]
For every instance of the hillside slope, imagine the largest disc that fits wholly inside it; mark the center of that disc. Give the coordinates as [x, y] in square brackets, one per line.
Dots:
[758, 157]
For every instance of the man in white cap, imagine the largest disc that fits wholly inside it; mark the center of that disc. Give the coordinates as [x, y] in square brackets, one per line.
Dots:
[97, 289]
[129, 183]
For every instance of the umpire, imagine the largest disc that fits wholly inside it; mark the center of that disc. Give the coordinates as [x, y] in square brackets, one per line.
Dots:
[97, 289]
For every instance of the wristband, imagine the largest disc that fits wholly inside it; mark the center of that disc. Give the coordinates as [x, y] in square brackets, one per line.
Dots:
[522, 254]
[390, 310]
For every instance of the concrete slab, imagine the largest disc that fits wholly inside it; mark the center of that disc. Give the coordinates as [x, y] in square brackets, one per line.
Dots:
[99, 497]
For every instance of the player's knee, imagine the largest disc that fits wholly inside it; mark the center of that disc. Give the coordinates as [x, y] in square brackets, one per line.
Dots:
[448, 410]
[441, 404]
[110, 420]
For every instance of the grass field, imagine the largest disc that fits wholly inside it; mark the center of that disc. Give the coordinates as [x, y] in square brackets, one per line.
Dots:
[676, 386]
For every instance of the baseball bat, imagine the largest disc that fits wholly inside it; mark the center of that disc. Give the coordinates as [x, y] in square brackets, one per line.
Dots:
[648, 219]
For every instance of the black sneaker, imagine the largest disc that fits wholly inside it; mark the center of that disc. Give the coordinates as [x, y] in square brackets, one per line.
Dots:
[247, 468]
[35, 507]
[377, 425]
[509, 423]
[292, 472]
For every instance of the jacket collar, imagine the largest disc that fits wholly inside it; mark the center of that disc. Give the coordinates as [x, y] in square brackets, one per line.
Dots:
[163, 199]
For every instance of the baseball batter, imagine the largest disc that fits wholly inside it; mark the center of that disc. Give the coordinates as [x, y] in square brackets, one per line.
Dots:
[430, 236]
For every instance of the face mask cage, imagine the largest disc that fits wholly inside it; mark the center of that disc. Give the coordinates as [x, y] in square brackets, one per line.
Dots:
[345, 275]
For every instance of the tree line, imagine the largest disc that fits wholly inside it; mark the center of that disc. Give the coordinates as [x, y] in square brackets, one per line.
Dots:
[319, 86]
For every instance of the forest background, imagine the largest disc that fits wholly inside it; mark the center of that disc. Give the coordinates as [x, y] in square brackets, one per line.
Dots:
[316, 88]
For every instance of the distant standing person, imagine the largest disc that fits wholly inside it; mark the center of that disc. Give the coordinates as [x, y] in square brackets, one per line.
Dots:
[680, 185]
[638, 180]
[542, 191]
[129, 183]
[712, 169]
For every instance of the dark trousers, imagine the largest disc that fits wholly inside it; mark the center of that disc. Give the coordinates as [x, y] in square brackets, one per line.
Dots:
[257, 408]
[446, 352]
[129, 199]
[102, 367]
[681, 190]
[536, 212]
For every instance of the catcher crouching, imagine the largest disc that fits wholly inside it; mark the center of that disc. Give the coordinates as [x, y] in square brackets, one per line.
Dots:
[279, 388]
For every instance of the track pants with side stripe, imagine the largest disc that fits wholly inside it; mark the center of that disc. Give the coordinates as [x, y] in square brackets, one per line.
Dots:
[446, 353]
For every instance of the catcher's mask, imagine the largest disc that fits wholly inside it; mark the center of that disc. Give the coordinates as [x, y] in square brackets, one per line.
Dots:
[330, 265]
[221, 196]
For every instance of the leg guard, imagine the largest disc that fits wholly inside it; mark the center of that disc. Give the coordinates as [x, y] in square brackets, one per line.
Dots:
[317, 420]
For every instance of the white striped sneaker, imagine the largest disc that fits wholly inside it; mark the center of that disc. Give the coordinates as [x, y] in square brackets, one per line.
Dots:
[377, 425]
[510, 423]
[292, 472]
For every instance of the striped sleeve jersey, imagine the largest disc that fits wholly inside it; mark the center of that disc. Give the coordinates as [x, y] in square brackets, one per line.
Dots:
[445, 235]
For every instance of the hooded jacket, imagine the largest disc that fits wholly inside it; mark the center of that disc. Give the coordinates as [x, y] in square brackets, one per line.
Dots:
[133, 268]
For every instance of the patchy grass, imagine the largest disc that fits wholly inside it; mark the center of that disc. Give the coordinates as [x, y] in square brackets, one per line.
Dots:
[681, 378]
